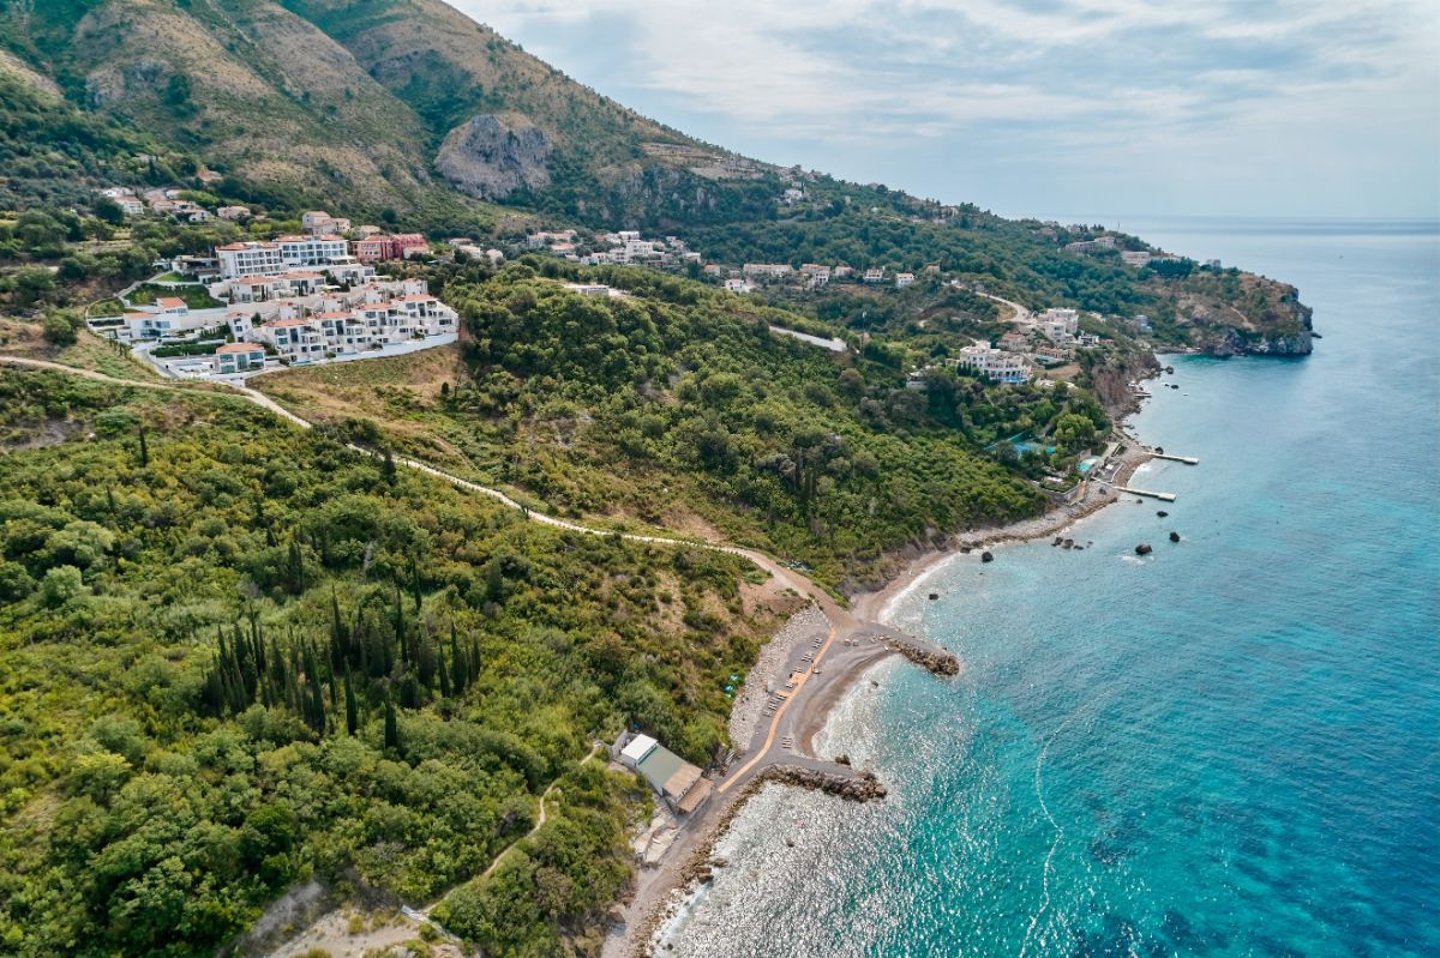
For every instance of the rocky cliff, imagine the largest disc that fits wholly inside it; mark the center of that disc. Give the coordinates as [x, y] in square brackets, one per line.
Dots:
[493, 156]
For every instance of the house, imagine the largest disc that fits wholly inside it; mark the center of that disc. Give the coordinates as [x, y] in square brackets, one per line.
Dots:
[874, 275]
[1096, 245]
[165, 318]
[1059, 325]
[996, 364]
[321, 223]
[841, 272]
[298, 340]
[738, 286]
[1013, 340]
[233, 213]
[1136, 258]
[904, 279]
[792, 196]
[675, 780]
[128, 205]
[816, 274]
[771, 270]
[201, 267]
[374, 249]
[238, 358]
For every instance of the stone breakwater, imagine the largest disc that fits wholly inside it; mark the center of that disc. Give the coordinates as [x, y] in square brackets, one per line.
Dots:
[937, 661]
[860, 786]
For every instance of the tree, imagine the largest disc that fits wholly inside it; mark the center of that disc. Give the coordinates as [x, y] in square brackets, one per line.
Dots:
[61, 584]
[108, 210]
[392, 727]
[352, 713]
[58, 330]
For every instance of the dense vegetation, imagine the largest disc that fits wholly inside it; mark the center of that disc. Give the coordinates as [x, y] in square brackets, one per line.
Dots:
[676, 402]
[235, 655]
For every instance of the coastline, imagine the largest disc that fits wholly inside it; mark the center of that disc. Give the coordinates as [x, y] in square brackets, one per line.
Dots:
[660, 892]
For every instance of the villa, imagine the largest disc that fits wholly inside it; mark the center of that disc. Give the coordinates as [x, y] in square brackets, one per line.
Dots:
[992, 363]
[238, 358]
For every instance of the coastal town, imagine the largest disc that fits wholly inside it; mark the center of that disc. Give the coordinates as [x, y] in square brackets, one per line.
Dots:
[256, 305]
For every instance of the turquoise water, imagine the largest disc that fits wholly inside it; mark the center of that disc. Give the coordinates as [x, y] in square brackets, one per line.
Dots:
[1230, 747]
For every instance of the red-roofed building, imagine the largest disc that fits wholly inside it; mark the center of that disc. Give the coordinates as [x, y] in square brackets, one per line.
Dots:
[239, 357]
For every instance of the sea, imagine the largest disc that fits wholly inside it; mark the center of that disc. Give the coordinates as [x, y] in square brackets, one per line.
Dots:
[1230, 746]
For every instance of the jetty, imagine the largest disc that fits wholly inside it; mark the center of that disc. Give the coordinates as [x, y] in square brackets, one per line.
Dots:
[1188, 460]
[1162, 496]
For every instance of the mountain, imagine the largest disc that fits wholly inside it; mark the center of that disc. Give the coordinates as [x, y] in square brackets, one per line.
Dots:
[388, 103]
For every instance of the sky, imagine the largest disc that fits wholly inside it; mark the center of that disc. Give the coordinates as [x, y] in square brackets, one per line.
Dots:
[1036, 107]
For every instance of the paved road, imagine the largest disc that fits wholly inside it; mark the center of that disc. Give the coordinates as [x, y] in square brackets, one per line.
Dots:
[1022, 315]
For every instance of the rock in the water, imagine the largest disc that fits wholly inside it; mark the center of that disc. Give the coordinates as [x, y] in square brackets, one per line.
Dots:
[1159, 450]
[1174, 537]
[1057, 541]
[987, 557]
[1162, 513]
[934, 596]
[1143, 549]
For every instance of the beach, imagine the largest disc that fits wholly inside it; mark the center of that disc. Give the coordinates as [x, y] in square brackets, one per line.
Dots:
[829, 648]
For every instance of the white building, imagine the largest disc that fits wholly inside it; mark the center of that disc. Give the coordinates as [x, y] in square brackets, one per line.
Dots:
[167, 317]
[739, 286]
[249, 259]
[772, 270]
[1059, 325]
[312, 250]
[996, 364]
[675, 780]
[874, 275]
[904, 279]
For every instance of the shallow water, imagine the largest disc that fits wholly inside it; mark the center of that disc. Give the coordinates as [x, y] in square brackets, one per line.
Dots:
[1229, 747]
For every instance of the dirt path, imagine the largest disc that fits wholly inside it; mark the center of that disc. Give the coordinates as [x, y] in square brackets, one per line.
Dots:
[800, 709]
[539, 823]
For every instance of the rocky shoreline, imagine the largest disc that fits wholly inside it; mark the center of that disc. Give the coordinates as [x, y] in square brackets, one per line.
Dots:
[867, 606]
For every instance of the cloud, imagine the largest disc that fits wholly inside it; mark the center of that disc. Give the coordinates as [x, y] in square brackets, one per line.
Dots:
[1103, 79]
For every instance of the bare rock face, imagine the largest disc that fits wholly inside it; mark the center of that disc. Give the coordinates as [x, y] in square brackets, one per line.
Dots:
[493, 155]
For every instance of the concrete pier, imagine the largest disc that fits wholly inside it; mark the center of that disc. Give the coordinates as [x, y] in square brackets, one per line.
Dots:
[1188, 460]
[1162, 496]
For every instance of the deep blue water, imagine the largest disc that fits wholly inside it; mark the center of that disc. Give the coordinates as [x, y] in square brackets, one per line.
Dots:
[1230, 747]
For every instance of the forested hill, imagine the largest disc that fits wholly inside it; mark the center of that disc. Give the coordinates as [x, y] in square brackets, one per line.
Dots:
[400, 104]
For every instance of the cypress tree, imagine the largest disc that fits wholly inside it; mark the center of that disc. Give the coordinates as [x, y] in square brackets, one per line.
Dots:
[392, 727]
[295, 568]
[144, 449]
[387, 468]
[314, 706]
[444, 673]
[457, 662]
[352, 714]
